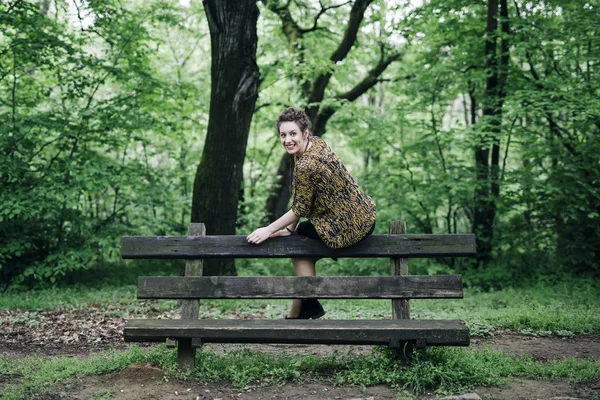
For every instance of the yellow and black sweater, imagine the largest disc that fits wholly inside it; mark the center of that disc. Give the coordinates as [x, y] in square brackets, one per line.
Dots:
[326, 194]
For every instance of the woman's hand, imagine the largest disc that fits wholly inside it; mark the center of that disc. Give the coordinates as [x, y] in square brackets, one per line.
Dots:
[281, 232]
[259, 235]
[273, 230]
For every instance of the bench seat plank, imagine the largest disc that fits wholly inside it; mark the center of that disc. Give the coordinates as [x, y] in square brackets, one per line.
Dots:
[288, 287]
[368, 332]
[231, 246]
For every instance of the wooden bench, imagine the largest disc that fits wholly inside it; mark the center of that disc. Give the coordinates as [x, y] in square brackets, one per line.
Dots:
[398, 332]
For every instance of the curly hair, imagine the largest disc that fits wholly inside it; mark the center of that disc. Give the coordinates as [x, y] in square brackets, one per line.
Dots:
[297, 115]
[293, 114]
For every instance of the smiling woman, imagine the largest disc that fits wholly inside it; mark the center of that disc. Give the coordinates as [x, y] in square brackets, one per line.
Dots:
[339, 212]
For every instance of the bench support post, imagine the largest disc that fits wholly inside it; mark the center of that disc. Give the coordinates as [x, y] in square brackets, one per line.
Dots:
[186, 353]
[399, 266]
[400, 307]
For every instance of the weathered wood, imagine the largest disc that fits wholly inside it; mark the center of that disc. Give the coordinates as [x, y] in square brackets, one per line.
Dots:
[191, 247]
[400, 334]
[291, 287]
[399, 267]
[190, 308]
[186, 353]
[377, 332]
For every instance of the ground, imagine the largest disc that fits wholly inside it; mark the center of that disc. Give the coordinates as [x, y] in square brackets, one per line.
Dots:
[60, 333]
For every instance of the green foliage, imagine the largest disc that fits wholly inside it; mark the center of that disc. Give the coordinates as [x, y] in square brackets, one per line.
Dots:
[104, 108]
[561, 308]
[418, 141]
[88, 142]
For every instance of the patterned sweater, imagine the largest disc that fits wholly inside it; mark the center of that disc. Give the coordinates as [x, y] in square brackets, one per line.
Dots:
[326, 194]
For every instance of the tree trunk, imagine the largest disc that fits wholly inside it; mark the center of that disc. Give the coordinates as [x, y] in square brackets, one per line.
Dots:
[487, 152]
[234, 90]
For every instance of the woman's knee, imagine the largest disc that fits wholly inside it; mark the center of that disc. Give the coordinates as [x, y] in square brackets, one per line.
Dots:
[304, 266]
[296, 261]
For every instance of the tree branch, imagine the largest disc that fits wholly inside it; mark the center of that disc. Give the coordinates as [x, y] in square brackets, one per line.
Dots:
[320, 14]
[321, 82]
[289, 26]
[356, 16]
[370, 80]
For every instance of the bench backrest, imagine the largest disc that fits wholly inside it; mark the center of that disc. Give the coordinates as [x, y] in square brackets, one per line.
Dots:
[199, 247]
[397, 246]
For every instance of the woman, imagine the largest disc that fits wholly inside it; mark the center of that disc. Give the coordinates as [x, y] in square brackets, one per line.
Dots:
[339, 212]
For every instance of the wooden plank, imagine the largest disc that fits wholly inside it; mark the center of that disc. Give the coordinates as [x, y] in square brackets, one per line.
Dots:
[378, 332]
[190, 308]
[399, 266]
[292, 287]
[186, 352]
[191, 247]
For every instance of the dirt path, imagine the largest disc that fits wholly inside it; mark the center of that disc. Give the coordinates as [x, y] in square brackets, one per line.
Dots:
[539, 348]
[146, 382]
[74, 333]
[544, 348]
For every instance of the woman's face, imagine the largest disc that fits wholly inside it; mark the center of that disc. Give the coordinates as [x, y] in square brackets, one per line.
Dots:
[292, 138]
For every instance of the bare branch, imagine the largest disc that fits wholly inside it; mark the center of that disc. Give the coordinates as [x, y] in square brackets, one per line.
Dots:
[187, 58]
[397, 79]
[370, 80]
[356, 16]
[320, 14]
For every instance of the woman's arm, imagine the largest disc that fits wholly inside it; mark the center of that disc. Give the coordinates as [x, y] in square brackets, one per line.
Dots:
[289, 219]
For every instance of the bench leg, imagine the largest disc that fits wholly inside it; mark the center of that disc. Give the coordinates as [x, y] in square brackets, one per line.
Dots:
[186, 354]
[402, 350]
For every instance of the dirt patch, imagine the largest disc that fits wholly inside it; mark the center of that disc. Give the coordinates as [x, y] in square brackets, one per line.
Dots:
[524, 389]
[544, 348]
[144, 382]
[62, 328]
[139, 382]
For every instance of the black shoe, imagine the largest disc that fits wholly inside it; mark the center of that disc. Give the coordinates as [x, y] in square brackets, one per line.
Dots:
[311, 309]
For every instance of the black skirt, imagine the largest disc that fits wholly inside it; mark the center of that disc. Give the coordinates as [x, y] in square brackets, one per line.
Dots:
[306, 228]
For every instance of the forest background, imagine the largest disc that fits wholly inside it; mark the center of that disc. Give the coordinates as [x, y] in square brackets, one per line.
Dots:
[135, 118]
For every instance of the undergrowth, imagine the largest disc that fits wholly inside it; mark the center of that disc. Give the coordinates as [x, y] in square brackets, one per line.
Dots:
[441, 370]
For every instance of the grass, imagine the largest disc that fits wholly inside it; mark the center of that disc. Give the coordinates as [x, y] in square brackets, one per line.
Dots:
[572, 307]
[443, 370]
[68, 297]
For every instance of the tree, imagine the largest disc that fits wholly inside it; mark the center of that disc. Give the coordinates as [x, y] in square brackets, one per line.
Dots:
[234, 90]
[320, 107]
[487, 151]
[560, 113]
[87, 136]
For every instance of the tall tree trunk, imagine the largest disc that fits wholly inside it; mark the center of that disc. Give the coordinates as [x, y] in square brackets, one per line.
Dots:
[234, 90]
[487, 152]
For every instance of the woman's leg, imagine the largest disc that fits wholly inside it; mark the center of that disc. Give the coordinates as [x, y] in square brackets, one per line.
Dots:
[303, 267]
